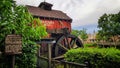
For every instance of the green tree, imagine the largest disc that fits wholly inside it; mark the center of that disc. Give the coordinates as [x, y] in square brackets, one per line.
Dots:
[83, 34]
[17, 19]
[109, 25]
[76, 32]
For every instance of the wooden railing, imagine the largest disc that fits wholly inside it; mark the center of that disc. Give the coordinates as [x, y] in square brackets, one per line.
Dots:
[62, 64]
[109, 43]
[65, 64]
[45, 59]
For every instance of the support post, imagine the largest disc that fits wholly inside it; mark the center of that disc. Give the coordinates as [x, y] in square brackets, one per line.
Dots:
[49, 42]
[13, 61]
[49, 55]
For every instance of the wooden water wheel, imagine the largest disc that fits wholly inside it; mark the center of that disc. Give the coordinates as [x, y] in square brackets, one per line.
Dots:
[65, 43]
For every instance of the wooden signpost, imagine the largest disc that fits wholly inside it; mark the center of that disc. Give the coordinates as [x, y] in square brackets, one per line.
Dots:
[13, 46]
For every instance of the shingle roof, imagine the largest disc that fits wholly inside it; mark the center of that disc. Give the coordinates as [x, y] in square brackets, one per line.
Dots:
[54, 14]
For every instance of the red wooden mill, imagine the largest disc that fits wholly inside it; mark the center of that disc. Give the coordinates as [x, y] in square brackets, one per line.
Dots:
[58, 26]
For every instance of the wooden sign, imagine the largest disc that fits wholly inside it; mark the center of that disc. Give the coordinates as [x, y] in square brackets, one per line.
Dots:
[13, 44]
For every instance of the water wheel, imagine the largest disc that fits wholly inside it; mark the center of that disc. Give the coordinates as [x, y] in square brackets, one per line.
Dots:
[65, 43]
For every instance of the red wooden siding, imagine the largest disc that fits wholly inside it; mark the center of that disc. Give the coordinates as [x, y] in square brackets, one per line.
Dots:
[56, 24]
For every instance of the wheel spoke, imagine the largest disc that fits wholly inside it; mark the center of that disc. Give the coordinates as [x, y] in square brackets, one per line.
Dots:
[58, 57]
[65, 42]
[68, 43]
[73, 43]
[62, 46]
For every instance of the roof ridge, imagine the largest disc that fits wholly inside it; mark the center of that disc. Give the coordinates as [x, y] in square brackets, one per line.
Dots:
[36, 11]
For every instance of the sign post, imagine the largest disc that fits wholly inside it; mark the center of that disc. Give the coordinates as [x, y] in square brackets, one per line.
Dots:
[13, 45]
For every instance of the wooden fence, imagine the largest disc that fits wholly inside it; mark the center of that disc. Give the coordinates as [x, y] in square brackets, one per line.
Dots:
[65, 64]
[43, 63]
[109, 44]
[45, 58]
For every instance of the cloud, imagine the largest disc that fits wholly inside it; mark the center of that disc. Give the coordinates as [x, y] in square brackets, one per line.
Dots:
[83, 12]
[91, 12]
[29, 2]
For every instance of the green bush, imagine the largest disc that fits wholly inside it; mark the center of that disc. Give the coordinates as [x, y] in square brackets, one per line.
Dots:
[98, 57]
[90, 45]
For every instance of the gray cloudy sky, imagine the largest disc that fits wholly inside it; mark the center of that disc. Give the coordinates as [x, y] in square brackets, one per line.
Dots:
[83, 12]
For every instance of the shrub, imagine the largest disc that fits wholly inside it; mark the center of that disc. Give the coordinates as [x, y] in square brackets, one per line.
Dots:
[98, 57]
[90, 45]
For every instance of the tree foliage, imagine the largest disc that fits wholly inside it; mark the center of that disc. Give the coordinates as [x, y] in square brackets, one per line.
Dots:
[109, 25]
[17, 19]
[82, 33]
[76, 32]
